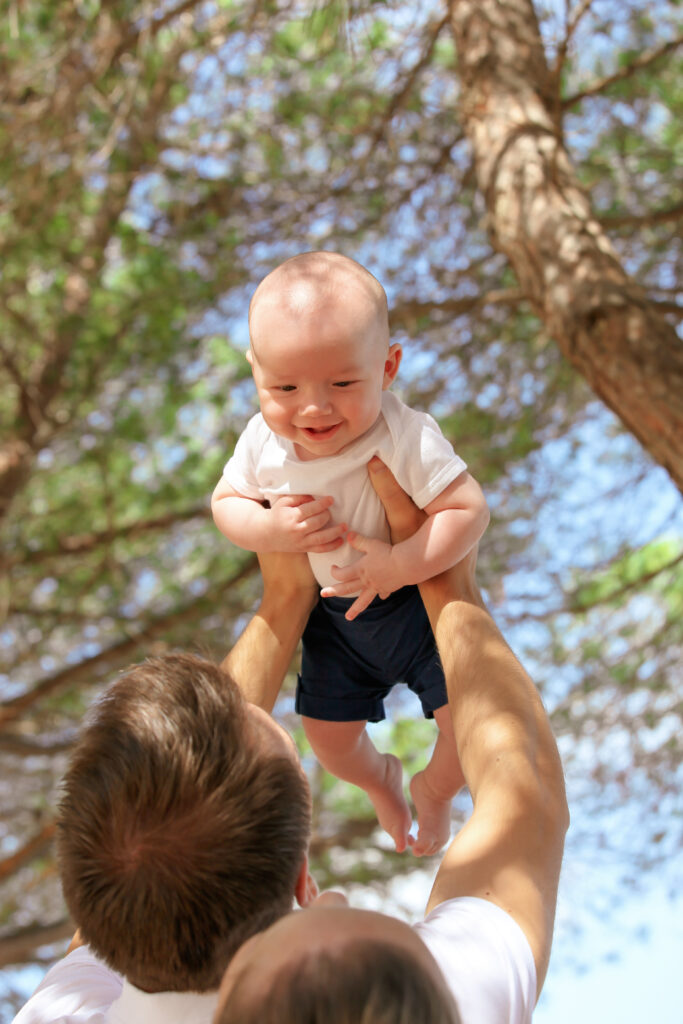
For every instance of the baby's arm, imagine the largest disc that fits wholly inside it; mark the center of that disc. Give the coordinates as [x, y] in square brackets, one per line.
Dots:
[456, 520]
[295, 522]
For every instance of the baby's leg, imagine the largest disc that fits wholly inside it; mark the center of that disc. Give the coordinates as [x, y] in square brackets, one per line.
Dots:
[433, 789]
[346, 750]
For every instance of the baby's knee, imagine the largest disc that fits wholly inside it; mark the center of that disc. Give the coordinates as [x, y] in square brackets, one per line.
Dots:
[337, 737]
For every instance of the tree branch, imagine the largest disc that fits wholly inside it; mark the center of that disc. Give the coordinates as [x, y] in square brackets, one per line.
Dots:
[29, 851]
[637, 64]
[571, 605]
[398, 99]
[405, 312]
[153, 26]
[78, 544]
[661, 216]
[17, 947]
[575, 606]
[93, 668]
[571, 25]
[22, 746]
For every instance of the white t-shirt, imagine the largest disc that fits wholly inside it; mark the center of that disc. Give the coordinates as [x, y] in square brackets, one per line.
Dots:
[485, 958]
[483, 953]
[408, 442]
[80, 989]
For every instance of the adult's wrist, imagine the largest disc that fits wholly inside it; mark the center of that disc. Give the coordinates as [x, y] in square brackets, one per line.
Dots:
[456, 585]
[287, 581]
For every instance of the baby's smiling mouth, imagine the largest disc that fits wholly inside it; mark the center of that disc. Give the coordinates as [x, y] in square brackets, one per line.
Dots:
[320, 432]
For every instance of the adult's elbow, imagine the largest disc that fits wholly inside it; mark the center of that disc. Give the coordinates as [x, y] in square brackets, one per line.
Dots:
[553, 799]
[482, 514]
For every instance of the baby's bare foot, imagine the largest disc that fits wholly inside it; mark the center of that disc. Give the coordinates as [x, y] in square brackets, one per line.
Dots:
[390, 804]
[433, 816]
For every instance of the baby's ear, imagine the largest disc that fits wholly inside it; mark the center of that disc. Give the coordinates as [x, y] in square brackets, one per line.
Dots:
[391, 364]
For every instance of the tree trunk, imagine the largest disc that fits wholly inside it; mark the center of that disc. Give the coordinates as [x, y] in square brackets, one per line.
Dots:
[539, 216]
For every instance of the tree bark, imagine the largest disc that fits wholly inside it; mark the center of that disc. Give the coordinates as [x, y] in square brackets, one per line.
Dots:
[541, 219]
[18, 947]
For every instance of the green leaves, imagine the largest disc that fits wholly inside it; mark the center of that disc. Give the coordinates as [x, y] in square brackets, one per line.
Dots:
[151, 174]
[655, 563]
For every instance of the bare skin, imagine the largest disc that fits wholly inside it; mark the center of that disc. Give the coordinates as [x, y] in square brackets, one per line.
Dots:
[345, 750]
[433, 789]
[510, 851]
[321, 358]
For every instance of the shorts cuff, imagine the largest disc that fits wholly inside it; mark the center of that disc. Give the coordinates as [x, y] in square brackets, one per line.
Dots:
[339, 709]
[432, 699]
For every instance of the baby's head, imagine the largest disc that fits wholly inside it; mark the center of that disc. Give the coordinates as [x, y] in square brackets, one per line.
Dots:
[320, 352]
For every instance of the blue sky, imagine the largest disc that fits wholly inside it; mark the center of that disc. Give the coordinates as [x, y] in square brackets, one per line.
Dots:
[630, 966]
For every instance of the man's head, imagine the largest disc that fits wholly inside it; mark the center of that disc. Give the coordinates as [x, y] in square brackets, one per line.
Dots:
[320, 352]
[334, 965]
[183, 824]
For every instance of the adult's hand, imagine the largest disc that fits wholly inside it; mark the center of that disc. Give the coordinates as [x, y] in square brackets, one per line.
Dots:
[404, 518]
[288, 577]
[403, 515]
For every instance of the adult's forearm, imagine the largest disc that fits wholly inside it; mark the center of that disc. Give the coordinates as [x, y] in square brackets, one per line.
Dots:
[499, 719]
[263, 653]
[510, 850]
[442, 540]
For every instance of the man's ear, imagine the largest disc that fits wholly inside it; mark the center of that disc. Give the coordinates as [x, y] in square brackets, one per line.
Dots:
[306, 889]
[391, 364]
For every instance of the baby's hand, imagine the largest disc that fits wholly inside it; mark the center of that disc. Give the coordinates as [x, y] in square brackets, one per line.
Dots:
[375, 574]
[302, 523]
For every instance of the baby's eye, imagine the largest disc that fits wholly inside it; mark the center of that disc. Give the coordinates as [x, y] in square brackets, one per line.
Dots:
[286, 387]
[343, 383]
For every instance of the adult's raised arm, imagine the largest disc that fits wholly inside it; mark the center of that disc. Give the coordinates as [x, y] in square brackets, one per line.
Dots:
[510, 850]
[259, 660]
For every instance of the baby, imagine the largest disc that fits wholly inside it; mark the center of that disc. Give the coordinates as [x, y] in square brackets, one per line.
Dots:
[322, 363]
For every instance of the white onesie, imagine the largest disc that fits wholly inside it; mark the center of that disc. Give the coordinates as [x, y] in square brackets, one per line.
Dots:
[265, 466]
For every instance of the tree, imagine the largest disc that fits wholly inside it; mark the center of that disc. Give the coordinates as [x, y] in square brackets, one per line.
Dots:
[153, 166]
[542, 219]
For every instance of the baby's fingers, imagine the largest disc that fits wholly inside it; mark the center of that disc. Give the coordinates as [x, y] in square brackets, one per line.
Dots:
[314, 508]
[321, 549]
[347, 573]
[329, 533]
[342, 589]
[365, 598]
[293, 500]
[316, 524]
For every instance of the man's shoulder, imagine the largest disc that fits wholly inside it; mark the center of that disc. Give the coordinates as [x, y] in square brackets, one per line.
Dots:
[485, 958]
[79, 988]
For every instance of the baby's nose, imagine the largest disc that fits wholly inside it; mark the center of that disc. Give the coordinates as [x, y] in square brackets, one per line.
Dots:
[314, 403]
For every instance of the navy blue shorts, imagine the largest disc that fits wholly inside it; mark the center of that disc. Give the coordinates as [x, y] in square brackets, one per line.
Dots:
[348, 668]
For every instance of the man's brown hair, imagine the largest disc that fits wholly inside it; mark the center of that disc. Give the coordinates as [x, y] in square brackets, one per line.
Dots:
[369, 982]
[177, 838]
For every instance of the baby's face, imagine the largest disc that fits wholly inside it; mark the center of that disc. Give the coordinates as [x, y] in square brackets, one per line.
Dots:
[320, 376]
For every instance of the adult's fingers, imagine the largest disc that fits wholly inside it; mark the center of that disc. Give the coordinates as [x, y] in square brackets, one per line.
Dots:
[403, 515]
